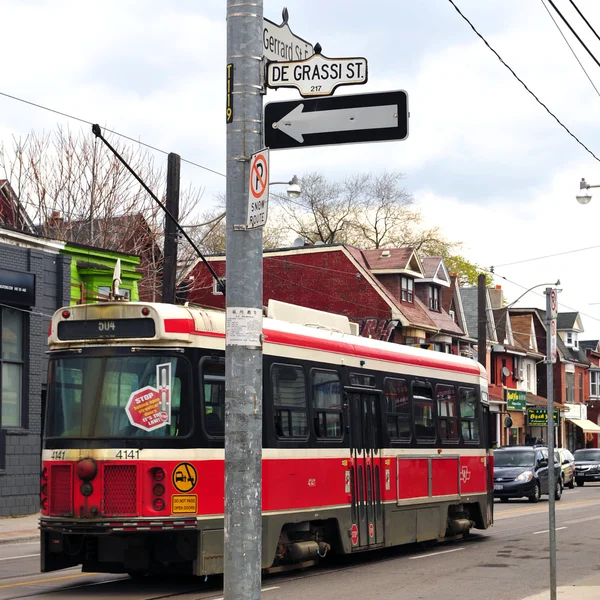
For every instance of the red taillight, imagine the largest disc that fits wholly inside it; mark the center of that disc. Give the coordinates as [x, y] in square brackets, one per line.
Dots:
[158, 504]
[158, 474]
[86, 469]
[145, 311]
[158, 489]
[65, 314]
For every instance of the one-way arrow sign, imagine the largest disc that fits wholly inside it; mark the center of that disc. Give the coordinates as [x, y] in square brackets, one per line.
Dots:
[377, 117]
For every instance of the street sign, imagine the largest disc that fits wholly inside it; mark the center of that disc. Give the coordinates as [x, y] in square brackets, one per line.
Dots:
[150, 407]
[258, 190]
[553, 304]
[317, 75]
[378, 117]
[553, 348]
[279, 43]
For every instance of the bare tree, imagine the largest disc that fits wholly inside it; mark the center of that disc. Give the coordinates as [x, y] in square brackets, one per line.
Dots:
[76, 190]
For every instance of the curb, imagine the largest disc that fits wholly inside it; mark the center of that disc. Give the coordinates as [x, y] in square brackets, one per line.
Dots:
[10, 538]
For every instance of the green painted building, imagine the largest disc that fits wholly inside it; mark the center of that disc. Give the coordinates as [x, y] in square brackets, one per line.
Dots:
[92, 272]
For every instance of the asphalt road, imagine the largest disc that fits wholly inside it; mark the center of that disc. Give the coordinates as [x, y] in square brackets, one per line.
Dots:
[507, 562]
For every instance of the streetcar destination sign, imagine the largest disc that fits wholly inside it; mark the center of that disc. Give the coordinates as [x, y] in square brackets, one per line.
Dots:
[317, 75]
[377, 117]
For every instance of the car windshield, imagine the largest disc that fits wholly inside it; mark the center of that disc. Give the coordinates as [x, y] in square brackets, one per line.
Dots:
[514, 458]
[118, 396]
[588, 455]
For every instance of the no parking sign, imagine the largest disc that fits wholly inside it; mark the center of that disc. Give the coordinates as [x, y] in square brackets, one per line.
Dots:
[258, 190]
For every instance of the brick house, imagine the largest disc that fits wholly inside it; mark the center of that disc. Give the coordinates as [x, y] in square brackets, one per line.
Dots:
[592, 388]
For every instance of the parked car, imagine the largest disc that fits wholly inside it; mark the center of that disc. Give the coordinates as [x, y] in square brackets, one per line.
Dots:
[522, 471]
[567, 464]
[587, 465]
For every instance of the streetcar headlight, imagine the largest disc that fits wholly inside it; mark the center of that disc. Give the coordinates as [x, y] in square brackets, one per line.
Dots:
[525, 476]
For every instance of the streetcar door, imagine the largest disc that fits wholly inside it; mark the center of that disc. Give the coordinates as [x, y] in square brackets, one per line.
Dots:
[366, 469]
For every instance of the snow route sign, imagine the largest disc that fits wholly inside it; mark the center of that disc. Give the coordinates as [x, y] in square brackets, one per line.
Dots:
[258, 190]
[150, 407]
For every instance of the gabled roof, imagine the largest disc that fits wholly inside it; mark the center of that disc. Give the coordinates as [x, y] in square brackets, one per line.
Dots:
[569, 322]
[14, 209]
[593, 345]
[441, 320]
[469, 301]
[524, 332]
[394, 260]
[435, 271]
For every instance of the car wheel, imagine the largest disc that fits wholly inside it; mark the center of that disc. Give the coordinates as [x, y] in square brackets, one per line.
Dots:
[559, 490]
[536, 494]
[503, 499]
[580, 484]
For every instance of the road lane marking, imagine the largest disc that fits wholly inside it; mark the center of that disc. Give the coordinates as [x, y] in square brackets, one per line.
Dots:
[582, 520]
[548, 531]
[505, 514]
[267, 589]
[17, 557]
[10, 585]
[434, 554]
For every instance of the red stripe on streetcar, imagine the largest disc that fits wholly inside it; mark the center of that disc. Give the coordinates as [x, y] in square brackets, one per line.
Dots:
[285, 338]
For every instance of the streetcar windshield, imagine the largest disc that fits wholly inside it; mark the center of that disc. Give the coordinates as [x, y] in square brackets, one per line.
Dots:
[118, 396]
[514, 458]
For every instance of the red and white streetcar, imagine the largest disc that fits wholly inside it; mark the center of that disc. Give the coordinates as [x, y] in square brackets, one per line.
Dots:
[366, 444]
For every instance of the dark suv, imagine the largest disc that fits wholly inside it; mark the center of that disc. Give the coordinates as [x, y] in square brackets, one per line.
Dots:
[522, 471]
[587, 465]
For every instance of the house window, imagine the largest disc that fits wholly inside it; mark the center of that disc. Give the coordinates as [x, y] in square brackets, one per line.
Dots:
[452, 315]
[570, 388]
[104, 292]
[407, 289]
[594, 380]
[11, 361]
[528, 381]
[580, 387]
[571, 340]
[327, 404]
[289, 400]
[447, 413]
[434, 297]
[216, 290]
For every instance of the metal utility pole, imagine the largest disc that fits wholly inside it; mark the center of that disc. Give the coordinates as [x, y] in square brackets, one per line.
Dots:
[244, 281]
[170, 245]
[481, 320]
[551, 310]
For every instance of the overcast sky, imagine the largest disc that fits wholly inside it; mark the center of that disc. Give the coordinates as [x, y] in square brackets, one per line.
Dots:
[483, 159]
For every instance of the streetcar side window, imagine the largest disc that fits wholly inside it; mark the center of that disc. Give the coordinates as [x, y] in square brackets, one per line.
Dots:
[397, 408]
[213, 397]
[289, 399]
[423, 407]
[447, 413]
[469, 414]
[327, 403]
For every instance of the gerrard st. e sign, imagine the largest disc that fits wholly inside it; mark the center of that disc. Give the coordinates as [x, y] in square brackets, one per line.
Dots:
[279, 43]
[258, 190]
[317, 75]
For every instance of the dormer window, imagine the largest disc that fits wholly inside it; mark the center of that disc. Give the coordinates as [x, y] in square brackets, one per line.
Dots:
[434, 297]
[571, 340]
[407, 289]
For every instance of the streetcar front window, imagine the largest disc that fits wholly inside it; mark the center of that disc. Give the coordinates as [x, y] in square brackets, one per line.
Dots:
[118, 396]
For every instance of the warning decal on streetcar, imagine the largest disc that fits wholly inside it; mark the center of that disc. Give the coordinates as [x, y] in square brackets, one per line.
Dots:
[185, 477]
[150, 407]
[184, 503]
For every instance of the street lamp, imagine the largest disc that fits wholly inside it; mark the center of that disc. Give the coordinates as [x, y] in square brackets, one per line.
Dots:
[583, 196]
[294, 190]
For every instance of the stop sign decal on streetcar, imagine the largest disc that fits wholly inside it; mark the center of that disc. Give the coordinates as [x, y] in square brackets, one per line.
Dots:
[150, 407]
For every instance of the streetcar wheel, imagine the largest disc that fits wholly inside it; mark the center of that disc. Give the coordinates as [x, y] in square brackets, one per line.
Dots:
[536, 494]
[571, 484]
[559, 490]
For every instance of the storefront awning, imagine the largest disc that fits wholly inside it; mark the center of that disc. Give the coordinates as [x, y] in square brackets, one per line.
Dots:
[533, 400]
[587, 426]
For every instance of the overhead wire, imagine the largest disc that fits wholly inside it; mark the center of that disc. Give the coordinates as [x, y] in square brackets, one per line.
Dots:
[526, 260]
[64, 114]
[586, 21]
[522, 82]
[570, 47]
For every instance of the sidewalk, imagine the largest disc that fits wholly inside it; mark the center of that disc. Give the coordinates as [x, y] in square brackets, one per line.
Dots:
[19, 529]
[587, 589]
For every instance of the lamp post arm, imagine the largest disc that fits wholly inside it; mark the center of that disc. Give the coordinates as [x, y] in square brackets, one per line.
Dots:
[533, 288]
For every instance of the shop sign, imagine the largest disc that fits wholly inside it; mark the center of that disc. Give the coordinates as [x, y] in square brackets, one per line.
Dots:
[17, 288]
[515, 399]
[539, 416]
